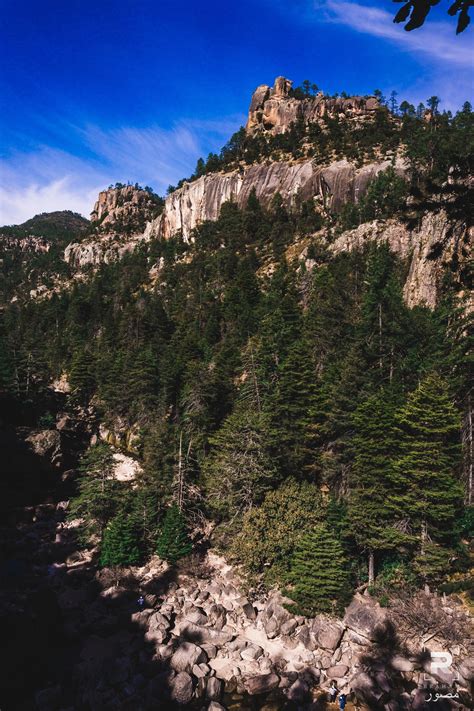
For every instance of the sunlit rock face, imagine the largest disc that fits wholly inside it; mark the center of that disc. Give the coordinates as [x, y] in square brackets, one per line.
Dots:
[274, 109]
[201, 200]
[435, 246]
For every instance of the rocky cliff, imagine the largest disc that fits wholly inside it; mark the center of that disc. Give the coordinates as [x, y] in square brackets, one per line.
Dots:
[118, 219]
[127, 206]
[275, 109]
[334, 185]
[435, 246]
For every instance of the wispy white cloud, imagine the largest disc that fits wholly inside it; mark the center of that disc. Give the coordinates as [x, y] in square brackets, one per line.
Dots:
[435, 39]
[46, 179]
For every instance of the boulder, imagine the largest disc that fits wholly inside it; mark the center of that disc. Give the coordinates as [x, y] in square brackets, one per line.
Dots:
[203, 635]
[328, 634]
[363, 616]
[186, 656]
[306, 638]
[271, 627]
[214, 688]
[249, 611]
[181, 688]
[214, 706]
[48, 699]
[466, 669]
[288, 627]
[252, 651]
[298, 692]
[401, 664]
[261, 684]
[337, 672]
[197, 616]
[200, 670]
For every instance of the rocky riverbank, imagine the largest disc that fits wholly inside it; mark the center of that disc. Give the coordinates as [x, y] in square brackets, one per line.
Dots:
[76, 637]
[200, 642]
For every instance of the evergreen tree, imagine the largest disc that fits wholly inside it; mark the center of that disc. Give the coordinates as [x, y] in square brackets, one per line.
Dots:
[374, 447]
[238, 471]
[266, 540]
[425, 495]
[120, 542]
[173, 541]
[99, 492]
[82, 373]
[318, 575]
[291, 408]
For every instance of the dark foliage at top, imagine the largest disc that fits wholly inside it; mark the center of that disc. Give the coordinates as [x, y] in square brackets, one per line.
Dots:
[416, 12]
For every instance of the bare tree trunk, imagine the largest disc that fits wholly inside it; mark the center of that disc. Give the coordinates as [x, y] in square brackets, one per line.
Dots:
[255, 381]
[371, 567]
[380, 336]
[423, 537]
[470, 462]
[180, 473]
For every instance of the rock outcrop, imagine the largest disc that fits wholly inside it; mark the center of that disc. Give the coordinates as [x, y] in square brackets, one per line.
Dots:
[127, 206]
[274, 109]
[201, 200]
[433, 247]
[118, 219]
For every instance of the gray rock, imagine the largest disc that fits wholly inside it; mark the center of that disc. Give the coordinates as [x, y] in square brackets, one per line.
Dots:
[214, 706]
[271, 627]
[214, 688]
[261, 684]
[363, 616]
[200, 670]
[253, 651]
[466, 669]
[306, 638]
[298, 691]
[181, 688]
[48, 699]
[196, 615]
[288, 627]
[328, 634]
[249, 611]
[337, 672]
[186, 656]
[210, 649]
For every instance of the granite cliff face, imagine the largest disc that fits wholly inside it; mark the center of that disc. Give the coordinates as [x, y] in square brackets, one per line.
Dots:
[201, 200]
[435, 246]
[128, 206]
[275, 109]
[125, 216]
[118, 221]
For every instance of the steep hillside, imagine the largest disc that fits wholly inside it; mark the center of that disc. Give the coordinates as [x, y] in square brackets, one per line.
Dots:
[269, 375]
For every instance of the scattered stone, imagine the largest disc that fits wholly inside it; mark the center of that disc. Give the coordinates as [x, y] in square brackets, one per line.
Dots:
[261, 684]
[337, 672]
[186, 656]
[214, 688]
[251, 652]
[181, 688]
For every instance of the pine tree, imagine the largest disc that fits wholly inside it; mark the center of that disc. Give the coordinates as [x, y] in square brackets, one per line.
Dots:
[120, 542]
[374, 447]
[425, 495]
[294, 402]
[318, 576]
[173, 542]
[238, 471]
[82, 373]
[99, 492]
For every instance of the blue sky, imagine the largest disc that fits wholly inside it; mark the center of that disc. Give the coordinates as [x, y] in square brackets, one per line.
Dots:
[98, 92]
